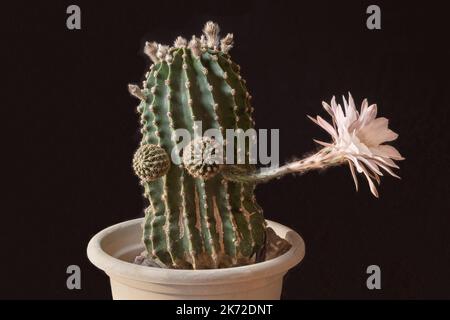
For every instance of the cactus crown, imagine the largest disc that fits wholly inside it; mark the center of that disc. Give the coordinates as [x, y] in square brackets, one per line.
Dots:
[195, 218]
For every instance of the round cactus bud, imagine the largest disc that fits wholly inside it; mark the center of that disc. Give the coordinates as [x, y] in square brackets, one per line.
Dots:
[150, 162]
[202, 157]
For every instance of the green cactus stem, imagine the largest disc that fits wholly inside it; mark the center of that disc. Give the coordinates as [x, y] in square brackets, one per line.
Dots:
[196, 219]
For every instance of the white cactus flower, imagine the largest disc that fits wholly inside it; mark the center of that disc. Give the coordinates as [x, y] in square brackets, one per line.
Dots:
[359, 138]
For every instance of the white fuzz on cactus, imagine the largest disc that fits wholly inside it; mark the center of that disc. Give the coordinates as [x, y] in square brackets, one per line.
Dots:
[150, 49]
[180, 42]
[195, 46]
[211, 31]
[226, 43]
[136, 91]
[162, 51]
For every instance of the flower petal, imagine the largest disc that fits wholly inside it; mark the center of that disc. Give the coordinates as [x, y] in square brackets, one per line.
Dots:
[328, 109]
[355, 162]
[364, 106]
[373, 189]
[352, 170]
[312, 119]
[387, 162]
[388, 170]
[387, 151]
[372, 166]
[369, 114]
[325, 144]
[376, 133]
[327, 127]
[359, 137]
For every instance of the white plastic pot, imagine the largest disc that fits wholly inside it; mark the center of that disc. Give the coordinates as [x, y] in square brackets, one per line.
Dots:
[113, 248]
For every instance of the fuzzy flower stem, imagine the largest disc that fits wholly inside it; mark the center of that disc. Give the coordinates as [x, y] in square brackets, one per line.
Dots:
[324, 158]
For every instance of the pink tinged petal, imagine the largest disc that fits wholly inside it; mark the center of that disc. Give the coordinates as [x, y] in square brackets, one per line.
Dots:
[355, 161]
[378, 124]
[351, 101]
[388, 151]
[376, 133]
[376, 177]
[340, 120]
[387, 162]
[372, 166]
[360, 116]
[357, 147]
[364, 106]
[352, 113]
[372, 111]
[326, 126]
[345, 101]
[325, 144]
[389, 135]
[328, 109]
[333, 104]
[346, 106]
[354, 126]
[368, 115]
[352, 170]
[373, 189]
[312, 119]
[388, 170]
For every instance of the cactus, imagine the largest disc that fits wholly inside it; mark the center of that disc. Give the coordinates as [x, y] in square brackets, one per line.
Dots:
[202, 214]
[195, 218]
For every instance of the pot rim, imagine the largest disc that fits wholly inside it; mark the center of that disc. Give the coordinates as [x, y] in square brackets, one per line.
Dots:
[115, 267]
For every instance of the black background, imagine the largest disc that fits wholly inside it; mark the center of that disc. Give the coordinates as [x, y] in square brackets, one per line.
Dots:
[71, 130]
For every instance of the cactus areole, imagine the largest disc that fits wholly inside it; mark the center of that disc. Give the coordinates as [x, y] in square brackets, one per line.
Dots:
[195, 218]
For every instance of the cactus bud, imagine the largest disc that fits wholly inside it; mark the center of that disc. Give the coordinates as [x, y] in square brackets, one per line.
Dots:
[201, 157]
[150, 162]
[136, 91]
[195, 46]
[226, 43]
[162, 51]
[211, 31]
[180, 42]
[150, 49]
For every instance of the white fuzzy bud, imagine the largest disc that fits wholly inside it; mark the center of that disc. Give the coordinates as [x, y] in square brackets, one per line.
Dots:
[195, 46]
[162, 51]
[136, 91]
[226, 43]
[211, 31]
[150, 49]
[180, 42]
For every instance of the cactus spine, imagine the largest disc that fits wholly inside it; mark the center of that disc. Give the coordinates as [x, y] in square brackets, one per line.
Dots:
[196, 221]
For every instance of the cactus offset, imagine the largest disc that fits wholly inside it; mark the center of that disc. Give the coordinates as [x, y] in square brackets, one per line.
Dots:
[194, 220]
[201, 157]
[150, 162]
